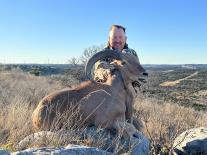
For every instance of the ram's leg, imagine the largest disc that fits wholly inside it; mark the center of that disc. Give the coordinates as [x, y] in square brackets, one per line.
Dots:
[126, 129]
[131, 95]
[138, 124]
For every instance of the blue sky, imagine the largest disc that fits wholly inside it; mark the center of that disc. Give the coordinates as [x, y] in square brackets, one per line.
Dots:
[161, 31]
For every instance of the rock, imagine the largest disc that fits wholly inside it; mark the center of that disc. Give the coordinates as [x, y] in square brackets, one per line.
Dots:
[141, 145]
[114, 143]
[68, 150]
[3, 152]
[193, 142]
[35, 137]
[96, 137]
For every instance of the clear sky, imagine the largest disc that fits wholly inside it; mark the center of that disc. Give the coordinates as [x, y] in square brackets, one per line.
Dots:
[161, 31]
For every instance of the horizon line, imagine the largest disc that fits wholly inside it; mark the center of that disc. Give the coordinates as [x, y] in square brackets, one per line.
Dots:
[80, 64]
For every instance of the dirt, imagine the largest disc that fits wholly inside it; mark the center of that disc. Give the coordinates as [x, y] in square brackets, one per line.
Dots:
[173, 83]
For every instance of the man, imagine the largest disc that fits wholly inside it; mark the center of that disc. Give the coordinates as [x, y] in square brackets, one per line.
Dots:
[117, 41]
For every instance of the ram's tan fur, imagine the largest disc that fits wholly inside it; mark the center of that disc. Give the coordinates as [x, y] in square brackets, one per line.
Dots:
[108, 105]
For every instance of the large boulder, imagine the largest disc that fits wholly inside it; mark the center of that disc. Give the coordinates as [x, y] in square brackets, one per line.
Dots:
[70, 150]
[36, 138]
[192, 142]
[140, 145]
[98, 138]
[3, 152]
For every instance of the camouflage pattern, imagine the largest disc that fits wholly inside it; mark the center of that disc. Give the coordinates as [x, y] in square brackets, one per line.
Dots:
[102, 68]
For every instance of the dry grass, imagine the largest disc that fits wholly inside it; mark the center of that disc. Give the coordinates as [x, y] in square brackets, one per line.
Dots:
[18, 85]
[20, 92]
[163, 122]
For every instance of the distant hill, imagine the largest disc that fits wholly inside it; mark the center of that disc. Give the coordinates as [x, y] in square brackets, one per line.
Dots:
[50, 69]
[187, 66]
[41, 69]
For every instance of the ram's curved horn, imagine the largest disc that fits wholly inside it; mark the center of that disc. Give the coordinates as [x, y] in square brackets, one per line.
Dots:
[106, 53]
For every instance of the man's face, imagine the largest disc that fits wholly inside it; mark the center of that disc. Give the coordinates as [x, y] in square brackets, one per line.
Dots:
[117, 38]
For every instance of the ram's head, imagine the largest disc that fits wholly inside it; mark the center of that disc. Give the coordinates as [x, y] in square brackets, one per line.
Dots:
[126, 63]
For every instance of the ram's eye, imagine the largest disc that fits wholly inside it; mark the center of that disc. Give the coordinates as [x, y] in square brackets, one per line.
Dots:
[123, 63]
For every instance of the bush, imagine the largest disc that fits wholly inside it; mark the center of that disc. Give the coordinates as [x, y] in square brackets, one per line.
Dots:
[35, 71]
